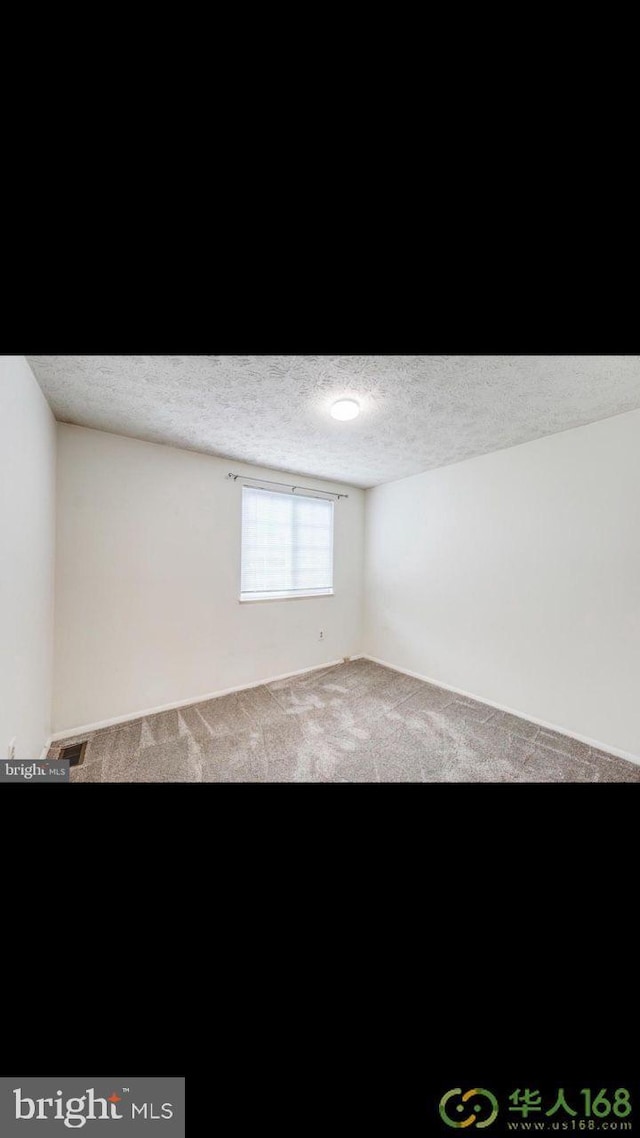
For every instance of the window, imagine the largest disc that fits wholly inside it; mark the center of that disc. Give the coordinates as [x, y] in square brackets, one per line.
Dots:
[287, 545]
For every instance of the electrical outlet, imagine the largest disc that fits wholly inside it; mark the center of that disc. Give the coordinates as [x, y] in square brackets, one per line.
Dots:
[12, 749]
[321, 636]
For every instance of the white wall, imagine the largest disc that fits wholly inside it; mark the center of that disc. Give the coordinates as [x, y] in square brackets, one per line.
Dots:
[148, 572]
[516, 577]
[27, 526]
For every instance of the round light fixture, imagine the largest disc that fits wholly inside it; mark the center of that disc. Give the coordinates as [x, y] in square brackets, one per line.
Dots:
[345, 409]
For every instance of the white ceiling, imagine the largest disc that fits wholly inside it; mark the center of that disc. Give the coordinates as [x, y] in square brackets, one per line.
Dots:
[418, 412]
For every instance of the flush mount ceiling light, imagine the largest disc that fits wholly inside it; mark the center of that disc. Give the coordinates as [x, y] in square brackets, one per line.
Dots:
[345, 409]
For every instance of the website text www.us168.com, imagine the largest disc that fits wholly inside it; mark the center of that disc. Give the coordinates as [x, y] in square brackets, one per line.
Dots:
[585, 1124]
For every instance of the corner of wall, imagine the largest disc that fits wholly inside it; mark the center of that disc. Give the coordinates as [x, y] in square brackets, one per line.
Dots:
[27, 521]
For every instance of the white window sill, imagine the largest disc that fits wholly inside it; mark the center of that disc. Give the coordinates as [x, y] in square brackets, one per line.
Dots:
[253, 598]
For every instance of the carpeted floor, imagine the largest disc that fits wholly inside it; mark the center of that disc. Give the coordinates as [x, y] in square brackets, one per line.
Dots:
[357, 722]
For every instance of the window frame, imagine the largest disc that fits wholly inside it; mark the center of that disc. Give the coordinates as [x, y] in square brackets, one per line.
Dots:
[251, 598]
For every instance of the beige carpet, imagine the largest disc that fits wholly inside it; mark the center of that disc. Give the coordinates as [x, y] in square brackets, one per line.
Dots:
[357, 722]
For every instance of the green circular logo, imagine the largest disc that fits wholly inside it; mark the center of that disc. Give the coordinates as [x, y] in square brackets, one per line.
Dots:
[447, 1108]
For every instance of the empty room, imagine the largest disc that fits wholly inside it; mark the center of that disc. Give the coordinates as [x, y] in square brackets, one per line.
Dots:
[320, 569]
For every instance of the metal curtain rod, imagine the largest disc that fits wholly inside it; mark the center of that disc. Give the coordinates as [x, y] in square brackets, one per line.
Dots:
[248, 478]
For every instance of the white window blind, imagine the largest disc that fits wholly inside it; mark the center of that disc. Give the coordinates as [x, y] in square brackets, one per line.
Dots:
[287, 545]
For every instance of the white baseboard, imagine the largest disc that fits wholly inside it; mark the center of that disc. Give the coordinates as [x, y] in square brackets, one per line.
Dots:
[511, 711]
[86, 727]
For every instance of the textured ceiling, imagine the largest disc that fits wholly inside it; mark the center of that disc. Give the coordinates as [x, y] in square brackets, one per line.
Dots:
[418, 412]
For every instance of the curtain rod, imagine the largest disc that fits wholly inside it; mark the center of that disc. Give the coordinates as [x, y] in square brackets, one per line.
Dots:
[289, 485]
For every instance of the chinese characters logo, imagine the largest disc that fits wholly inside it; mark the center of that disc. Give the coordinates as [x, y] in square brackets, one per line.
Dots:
[527, 1101]
[572, 1110]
